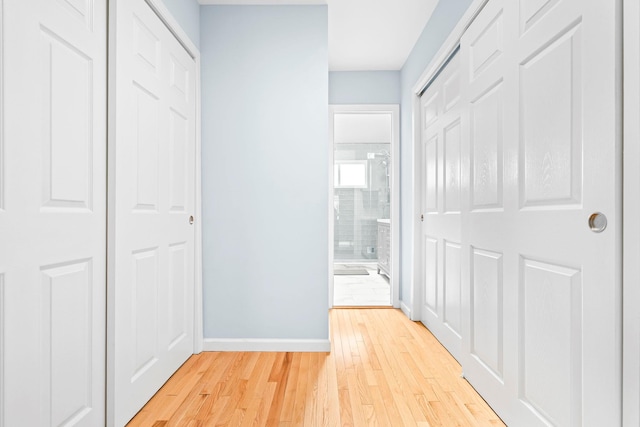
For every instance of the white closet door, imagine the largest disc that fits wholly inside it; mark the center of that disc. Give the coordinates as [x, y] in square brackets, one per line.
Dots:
[441, 138]
[544, 339]
[53, 212]
[152, 193]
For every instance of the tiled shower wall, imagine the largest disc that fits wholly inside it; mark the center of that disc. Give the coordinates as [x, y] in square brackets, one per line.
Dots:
[356, 210]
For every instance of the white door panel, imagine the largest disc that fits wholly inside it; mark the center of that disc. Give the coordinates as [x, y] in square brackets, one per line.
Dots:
[441, 144]
[53, 213]
[543, 343]
[153, 194]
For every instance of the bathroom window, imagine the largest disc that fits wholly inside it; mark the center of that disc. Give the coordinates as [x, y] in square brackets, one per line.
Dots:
[350, 174]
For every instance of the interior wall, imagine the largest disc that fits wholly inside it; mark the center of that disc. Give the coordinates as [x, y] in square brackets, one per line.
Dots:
[264, 171]
[364, 87]
[444, 18]
[187, 13]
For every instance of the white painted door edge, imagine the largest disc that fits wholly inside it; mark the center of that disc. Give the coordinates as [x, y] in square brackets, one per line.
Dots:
[631, 228]
[446, 50]
[394, 110]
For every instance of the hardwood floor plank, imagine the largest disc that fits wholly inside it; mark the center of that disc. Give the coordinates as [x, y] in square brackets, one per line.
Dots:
[257, 380]
[357, 409]
[291, 389]
[333, 398]
[279, 377]
[266, 402]
[222, 372]
[384, 370]
[380, 408]
[301, 391]
[310, 412]
[346, 413]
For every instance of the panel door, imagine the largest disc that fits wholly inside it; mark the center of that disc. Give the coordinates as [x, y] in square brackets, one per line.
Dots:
[53, 212]
[441, 138]
[543, 345]
[153, 195]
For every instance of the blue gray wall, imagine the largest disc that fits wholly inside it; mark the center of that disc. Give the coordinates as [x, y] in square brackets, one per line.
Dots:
[250, 152]
[364, 87]
[264, 171]
[444, 18]
[187, 13]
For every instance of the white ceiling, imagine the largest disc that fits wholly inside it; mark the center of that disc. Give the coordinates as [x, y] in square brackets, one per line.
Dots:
[365, 34]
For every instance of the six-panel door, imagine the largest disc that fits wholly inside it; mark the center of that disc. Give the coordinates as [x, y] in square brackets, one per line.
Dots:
[53, 212]
[441, 183]
[542, 343]
[153, 175]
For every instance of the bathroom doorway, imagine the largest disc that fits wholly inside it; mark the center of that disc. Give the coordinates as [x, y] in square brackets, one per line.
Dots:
[363, 212]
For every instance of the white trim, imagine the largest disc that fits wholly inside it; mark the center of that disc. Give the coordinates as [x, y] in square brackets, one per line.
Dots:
[449, 45]
[198, 316]
[2, 184]
[330, 212]
[444, 53]
[111, 211]
[262, 2]
[269, 345]
[172, 24]
[394, 110]
[2, 330]
[3, 166]
[406, 310]
[395, 207]
[631, 206]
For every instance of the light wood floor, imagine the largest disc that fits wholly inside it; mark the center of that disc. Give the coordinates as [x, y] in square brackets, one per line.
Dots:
[384, 370]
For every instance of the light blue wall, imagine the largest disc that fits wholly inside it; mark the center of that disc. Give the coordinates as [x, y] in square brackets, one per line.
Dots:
[187, 13]
[442, 21]
[264, 171]
[364, 87]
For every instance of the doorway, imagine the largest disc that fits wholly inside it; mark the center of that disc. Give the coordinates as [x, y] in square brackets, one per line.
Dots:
[363, 211]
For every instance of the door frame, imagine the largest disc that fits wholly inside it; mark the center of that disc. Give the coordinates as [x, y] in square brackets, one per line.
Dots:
[412, 309]
[394, 110]
[158, 7]
[631, 211]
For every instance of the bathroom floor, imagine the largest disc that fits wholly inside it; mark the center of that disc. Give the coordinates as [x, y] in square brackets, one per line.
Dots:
[362, 290]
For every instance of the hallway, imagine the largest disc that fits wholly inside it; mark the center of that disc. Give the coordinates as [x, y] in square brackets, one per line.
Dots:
[383, 370]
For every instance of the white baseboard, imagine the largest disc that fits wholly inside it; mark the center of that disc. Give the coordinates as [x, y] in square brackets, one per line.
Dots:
[270, 345]
[406, 310]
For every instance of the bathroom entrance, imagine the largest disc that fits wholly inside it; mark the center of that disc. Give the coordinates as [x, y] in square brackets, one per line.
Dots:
[363, 205]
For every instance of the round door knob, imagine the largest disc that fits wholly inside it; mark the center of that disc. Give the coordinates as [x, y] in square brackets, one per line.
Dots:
[191, 219]
[597, 222]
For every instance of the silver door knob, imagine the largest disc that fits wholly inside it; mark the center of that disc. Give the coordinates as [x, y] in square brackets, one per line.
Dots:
[191, 219]
[597, 222]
